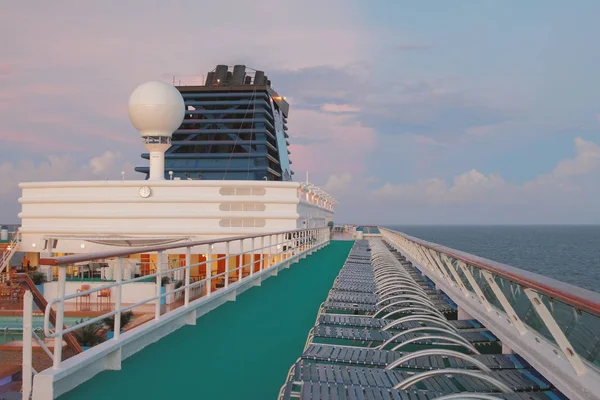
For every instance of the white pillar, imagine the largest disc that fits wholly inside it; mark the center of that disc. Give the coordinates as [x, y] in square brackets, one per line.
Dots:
[60, 313]
[27, 344]
[157, 166]
[188, 262]
[117, 322]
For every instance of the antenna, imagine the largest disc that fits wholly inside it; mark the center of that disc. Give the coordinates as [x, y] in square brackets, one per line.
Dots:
[122, 175]
[156, 109]
[306, 176]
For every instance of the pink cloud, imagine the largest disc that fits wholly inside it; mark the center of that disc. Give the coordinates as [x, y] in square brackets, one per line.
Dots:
[339, 108]
[37, 142]
[5, 69]
[336, 143]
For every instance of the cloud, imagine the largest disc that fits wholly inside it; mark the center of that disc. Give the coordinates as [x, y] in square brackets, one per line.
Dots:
[334, 143]
[338, 184]
[5, 70]
[339, 108]
[476, 189]
[439, 108]
[587, 160]
[56, 168]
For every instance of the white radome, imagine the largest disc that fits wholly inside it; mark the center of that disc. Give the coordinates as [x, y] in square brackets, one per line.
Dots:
[156, 109]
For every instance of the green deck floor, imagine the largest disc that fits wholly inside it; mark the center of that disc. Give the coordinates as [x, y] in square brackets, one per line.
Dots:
[241, 350]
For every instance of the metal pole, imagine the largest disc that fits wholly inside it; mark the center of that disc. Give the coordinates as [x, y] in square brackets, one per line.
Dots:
[241, 267]
[27, 344]
[262, 253]
[117, 326]
[226, 264]
[188, 272]
[270, 250]
[208, 269]
[158, 284]
[253, 255]
[60, 313]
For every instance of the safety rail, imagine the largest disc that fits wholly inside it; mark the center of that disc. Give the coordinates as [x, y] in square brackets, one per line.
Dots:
[9, 252]
[244, 259]
[555, 326]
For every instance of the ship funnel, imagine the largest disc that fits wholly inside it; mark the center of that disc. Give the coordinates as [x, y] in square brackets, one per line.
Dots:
[210, 77]
[259, 77]
[239, 72]
[221, 73]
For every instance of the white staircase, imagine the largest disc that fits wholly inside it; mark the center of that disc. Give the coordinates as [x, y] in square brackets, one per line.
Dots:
[11, 249]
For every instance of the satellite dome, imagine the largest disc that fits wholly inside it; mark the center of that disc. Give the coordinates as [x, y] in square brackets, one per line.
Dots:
[156, 109]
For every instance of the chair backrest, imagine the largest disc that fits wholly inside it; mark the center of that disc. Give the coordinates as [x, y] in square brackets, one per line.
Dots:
[85, 287]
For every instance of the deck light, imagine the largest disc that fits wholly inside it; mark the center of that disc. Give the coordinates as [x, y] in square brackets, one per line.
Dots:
[33, 245]
[83, 245]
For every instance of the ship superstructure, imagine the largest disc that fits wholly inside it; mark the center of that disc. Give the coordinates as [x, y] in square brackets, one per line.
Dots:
[234, 129]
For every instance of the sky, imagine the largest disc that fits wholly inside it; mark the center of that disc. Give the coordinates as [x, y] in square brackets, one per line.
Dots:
[440, 112]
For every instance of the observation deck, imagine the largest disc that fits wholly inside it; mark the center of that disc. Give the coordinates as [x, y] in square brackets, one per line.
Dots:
[404, 319]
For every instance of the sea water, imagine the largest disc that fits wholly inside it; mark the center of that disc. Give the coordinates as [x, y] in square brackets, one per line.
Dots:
[567, 253]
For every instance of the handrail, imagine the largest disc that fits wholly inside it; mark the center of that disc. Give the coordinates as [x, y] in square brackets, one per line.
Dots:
[290, 246]
[583, 299]
[50, 314]
[76, 258]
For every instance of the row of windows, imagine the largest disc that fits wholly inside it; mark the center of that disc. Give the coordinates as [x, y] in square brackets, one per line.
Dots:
[242, 223]
[242, 207]
[242, 191]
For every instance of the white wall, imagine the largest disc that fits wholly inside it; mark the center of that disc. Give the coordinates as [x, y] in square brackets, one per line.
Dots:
[184, 208]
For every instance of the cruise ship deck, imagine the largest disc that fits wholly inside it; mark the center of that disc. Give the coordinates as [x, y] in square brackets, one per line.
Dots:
[378, 341]
[240, 350]
[381, 316]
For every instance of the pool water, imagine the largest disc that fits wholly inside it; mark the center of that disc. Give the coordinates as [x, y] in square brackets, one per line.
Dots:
[16, 322]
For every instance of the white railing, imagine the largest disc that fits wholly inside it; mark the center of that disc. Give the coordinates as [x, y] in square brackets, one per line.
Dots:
[268, 252]
[10, 251]
[553, 325]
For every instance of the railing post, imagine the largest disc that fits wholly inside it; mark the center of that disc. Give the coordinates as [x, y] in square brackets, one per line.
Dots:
[270, 251]
[159, 268]
[208, 267]
[27, 375]
[556, 332]
[262, 253]
[188, 272]
[226, 264]
[510, 311]
[60, 313]
[279, 248]
[241, 267]
[252, 263]
[119, 272]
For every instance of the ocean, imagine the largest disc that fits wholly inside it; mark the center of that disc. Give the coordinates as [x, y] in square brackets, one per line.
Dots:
[567, 253]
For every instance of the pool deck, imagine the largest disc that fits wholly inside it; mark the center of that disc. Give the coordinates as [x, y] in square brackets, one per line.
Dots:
[242, 349]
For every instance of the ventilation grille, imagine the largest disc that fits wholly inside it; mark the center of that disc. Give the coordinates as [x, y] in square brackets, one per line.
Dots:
[242, 207]
[242, 191]
[242, 223]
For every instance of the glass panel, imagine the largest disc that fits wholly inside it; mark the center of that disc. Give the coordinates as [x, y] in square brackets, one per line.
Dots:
[462, 276]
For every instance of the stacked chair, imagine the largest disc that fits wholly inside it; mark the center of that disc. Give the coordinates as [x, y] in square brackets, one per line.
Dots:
[386, 332]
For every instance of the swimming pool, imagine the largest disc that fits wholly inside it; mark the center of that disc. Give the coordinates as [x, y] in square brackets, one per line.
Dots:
[16, 322]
